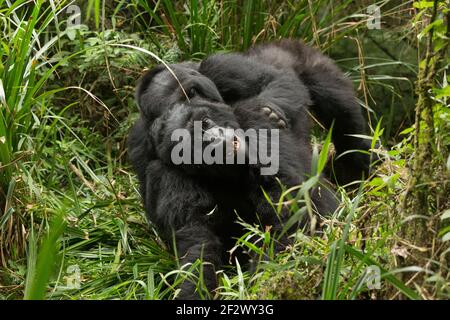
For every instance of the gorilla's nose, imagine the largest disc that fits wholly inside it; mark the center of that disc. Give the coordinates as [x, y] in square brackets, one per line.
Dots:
[221, 137]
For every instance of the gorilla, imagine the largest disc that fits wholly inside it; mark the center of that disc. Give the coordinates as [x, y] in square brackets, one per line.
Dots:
[271, 87]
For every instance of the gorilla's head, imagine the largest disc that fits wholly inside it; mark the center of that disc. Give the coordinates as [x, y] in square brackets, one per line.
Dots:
[188, 121]
[181, 83]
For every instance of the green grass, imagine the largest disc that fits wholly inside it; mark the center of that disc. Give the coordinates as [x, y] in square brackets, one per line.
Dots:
[72, 224]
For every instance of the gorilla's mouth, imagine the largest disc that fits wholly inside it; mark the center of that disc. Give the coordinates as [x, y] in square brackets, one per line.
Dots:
[236, 144]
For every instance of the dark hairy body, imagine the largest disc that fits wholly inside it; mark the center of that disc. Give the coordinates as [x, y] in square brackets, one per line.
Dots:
[270, 87]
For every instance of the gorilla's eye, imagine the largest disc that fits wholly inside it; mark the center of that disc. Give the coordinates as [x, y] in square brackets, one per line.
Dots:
[192, 93]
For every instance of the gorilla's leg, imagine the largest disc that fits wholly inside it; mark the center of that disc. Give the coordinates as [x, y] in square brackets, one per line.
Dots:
[334, 103]
[333, 100]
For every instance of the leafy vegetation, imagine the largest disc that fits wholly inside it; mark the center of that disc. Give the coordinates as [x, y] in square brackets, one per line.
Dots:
[71, 220]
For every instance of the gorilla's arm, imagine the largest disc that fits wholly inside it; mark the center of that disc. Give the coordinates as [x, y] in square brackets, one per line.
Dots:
[243, 80]
[173, 200]
[179, 207]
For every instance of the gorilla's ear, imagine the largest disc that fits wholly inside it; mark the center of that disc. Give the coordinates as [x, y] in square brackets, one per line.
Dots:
[144, 82]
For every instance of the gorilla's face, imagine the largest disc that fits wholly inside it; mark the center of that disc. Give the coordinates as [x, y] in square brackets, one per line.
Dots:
[201, 139]
[190, 125]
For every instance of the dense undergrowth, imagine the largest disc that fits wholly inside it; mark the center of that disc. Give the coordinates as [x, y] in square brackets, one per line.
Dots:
[71, 219]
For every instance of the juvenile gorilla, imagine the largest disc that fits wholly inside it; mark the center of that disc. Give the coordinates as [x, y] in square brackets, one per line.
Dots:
[263, 89]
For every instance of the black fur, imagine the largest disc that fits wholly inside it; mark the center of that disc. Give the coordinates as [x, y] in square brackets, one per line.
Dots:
[265, 88]
[264, 67]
